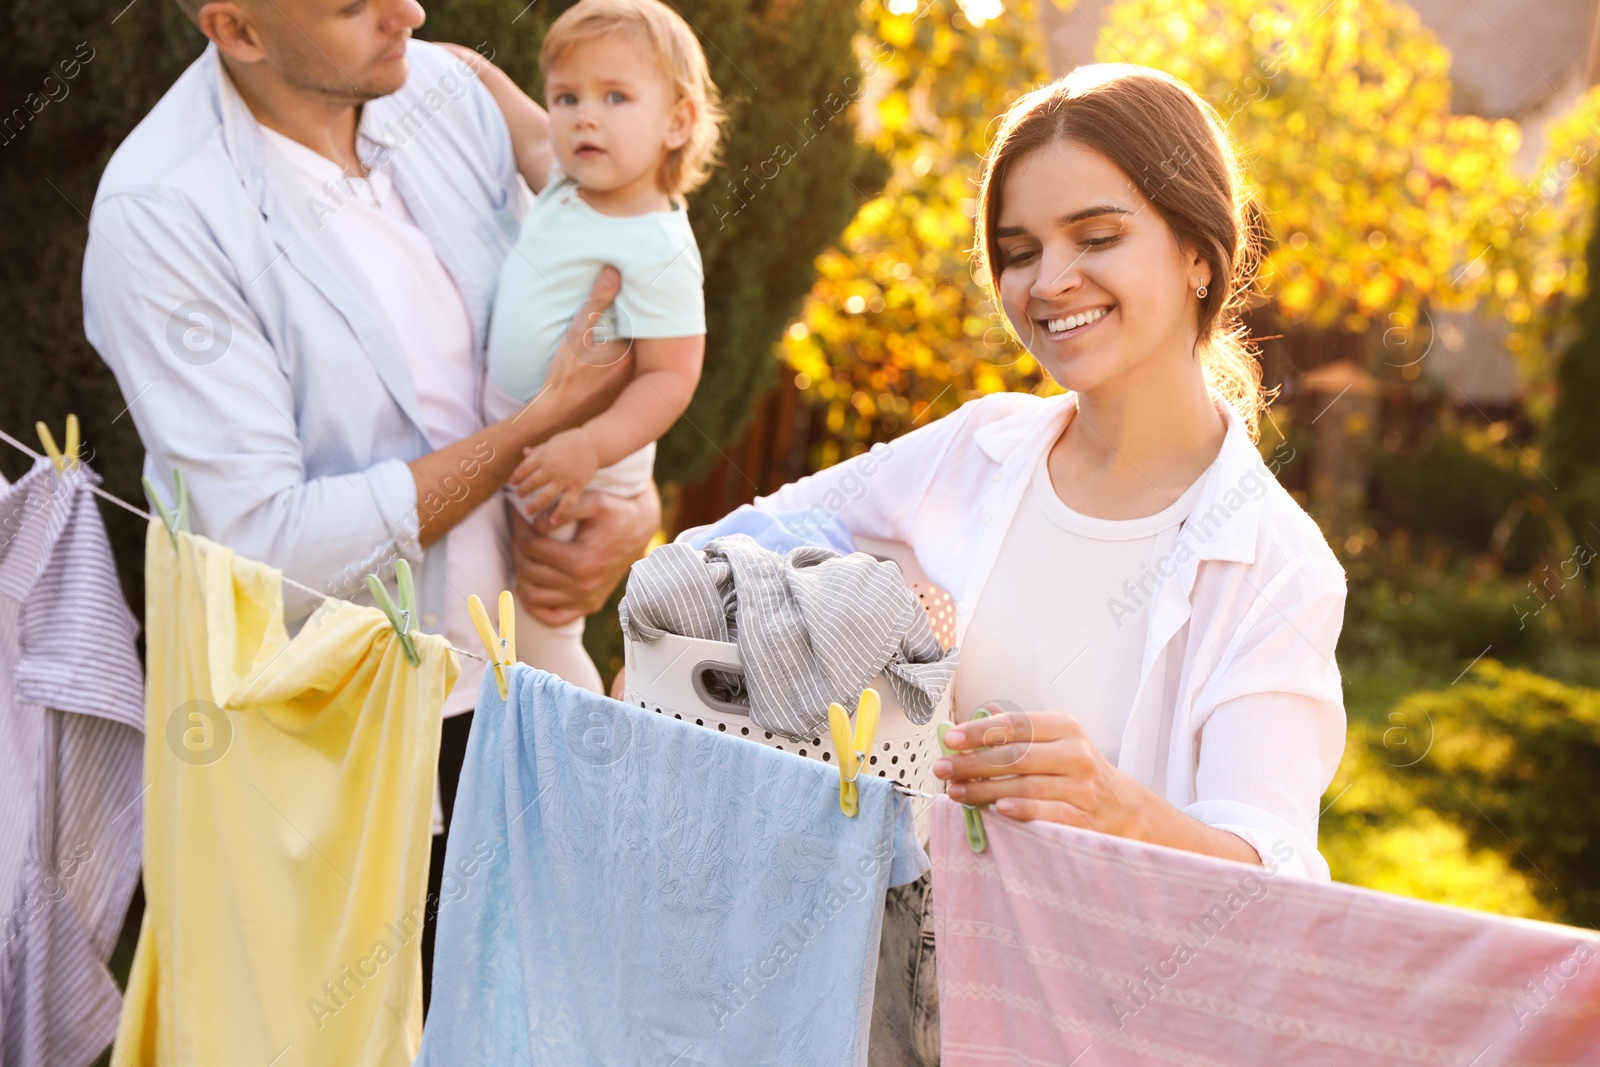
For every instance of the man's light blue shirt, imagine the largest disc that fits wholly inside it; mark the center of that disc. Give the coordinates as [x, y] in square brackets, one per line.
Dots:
[249, 348]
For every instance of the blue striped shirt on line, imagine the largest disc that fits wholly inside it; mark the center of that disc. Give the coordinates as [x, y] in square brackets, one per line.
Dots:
[71, 767]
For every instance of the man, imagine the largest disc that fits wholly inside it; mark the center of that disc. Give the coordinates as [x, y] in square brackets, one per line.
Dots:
[289, 270]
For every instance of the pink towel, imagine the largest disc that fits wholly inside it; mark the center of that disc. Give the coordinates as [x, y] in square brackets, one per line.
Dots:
[1060, 946]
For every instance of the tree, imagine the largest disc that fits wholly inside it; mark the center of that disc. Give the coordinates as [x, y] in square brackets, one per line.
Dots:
[1572, 437]
[1373, 191]
[896, 330]
[1378, 201]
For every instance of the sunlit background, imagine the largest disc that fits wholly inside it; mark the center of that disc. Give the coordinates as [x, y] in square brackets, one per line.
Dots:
[1428, 177]
[1428, 181]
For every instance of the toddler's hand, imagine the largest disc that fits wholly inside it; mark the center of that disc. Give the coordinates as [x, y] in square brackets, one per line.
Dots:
[555, 472]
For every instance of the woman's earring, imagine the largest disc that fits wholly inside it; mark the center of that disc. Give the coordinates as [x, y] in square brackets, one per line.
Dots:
[1201, 292]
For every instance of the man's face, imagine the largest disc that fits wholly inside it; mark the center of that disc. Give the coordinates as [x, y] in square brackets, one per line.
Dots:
[348, 50]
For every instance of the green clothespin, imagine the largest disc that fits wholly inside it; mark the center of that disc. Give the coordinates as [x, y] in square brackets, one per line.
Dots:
[175, 518]
[400, 618]
[976, 838]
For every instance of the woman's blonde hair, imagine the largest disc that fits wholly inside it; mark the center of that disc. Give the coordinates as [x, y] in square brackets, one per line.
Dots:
[668, 37]
[1172, 145]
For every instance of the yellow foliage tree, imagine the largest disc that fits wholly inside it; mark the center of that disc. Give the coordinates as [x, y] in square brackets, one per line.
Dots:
[1377, 200]
[1372, 189]
[896, 331]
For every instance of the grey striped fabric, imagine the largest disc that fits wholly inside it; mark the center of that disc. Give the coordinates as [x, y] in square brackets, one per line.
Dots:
[813, 627]
[71, 769]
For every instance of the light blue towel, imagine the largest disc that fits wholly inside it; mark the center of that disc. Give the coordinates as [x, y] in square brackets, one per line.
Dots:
[623, 888]
[781, 532]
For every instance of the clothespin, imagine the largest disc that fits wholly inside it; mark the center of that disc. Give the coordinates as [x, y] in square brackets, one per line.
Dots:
[853, 751]
[62, 458]
[175, 518]
[976, 838]
[502, 647]
[400, 618]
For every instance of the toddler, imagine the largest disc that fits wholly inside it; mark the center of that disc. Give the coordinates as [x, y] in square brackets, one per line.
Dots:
[633, 120]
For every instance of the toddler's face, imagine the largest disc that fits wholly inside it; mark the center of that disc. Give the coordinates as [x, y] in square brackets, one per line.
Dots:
[613, 114]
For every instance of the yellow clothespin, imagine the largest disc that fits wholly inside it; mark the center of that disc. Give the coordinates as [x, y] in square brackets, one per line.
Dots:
[852, 751]
[62, 458]
[502, 647]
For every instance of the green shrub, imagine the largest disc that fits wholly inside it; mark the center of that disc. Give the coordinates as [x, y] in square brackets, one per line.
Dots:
[1512, 759]
[1442, 614]
[1458, 487]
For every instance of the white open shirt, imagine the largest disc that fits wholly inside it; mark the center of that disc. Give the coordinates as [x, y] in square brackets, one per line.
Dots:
[1238, 715]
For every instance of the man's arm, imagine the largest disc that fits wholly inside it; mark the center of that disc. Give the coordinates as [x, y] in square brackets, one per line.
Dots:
[228, 421]
[583, 380]
[526, 120]
[226, 417]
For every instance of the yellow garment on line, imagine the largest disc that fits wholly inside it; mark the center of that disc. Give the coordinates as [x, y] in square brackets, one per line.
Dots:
[287, 835]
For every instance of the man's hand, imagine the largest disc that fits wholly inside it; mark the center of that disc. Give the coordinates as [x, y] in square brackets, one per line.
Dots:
[558, 581]
[586, 375]
[454, 480]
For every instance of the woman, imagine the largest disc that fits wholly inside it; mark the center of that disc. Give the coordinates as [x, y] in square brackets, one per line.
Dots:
[1149, 615]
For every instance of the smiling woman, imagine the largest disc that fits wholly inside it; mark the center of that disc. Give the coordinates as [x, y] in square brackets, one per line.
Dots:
[1149, 618]
[1168, 203]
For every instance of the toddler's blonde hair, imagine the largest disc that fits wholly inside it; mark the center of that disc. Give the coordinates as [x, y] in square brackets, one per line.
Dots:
[664, 32]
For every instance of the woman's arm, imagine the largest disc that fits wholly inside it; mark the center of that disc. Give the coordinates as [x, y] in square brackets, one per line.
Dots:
[529, 126]
[1271, 730]
[1041, 765]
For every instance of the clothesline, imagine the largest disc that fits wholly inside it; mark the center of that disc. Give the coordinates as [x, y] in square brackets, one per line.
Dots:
[123, 504]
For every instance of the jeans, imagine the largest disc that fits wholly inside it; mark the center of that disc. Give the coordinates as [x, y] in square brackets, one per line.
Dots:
[905, 1010]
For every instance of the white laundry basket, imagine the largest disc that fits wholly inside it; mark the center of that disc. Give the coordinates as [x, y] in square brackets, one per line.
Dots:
[667, 676]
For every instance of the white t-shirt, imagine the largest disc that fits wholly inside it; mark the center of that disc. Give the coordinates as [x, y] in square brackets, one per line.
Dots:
[431, 322]
[1061, 623]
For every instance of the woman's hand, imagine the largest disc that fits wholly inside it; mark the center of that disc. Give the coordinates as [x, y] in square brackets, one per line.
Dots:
[1042, 765]
[558, 581]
